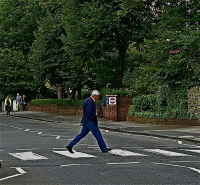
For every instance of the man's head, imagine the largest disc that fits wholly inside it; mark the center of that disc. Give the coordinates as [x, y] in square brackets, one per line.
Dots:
[96, 94]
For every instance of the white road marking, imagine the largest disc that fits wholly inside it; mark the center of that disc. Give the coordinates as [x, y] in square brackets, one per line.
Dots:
[59, 148]
[166, 153]
[33, 131]
[123, 163]
[185, 161]
[21, 172]
[190, 168]
[39, 133]
[92, 145]
[196, 146]
[195, 151]
[186, 136]
[180, 142]
[58, 137]
[74, 155]
[26, 156]
[27, 130]
[66, 165]
[121, 152]
[28, 149]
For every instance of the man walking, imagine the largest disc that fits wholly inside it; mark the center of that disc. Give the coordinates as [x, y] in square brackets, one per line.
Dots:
[90, 123]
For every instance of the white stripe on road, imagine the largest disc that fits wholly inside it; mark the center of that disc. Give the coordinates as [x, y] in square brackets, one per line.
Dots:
[21, 172]
[185, 161]
[26, 156]
[66, 165]
[27, 130]
[125, 163]
[121, 152]
[195, 151]
[26, 149]
[74, 155]
[190, 168]
[166, 153]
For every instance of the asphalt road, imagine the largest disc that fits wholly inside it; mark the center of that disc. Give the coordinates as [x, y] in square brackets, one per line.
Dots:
[33, 154]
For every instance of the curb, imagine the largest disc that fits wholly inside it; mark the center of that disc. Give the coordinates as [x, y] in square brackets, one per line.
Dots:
[122, 131]
[150, 134]
[37, 119]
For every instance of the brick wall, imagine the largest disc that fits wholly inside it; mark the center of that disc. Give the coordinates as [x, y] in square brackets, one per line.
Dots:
[123, 107]
[56, 109]
[117, 112]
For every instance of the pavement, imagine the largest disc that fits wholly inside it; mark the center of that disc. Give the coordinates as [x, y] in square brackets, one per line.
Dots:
[182, 133]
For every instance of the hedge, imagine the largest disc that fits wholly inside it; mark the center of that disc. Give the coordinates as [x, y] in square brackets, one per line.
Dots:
[163, 107]
[60, 102]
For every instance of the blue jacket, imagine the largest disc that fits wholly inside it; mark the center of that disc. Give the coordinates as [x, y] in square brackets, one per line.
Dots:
[89, 112]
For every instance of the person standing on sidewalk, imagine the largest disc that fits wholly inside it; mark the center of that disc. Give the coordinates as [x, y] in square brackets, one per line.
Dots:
[8, 104]
[24, 102]
[18, 101]
[90, 123]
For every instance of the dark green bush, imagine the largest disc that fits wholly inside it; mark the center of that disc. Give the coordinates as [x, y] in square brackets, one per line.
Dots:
[60, 102]
[145, 103]
[120, 92]
[169, 105]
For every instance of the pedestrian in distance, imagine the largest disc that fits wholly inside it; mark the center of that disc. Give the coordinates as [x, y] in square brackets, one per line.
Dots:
[8, 104]
[18, 101]
[89, 123]
[24, 102]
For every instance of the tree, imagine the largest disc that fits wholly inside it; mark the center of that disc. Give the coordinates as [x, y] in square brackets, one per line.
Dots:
[100, 33]
[47, 55]
[14, 73]
[18, 21]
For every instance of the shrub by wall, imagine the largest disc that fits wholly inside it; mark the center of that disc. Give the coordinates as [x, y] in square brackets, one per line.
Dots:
[194, 101]
[171, 106]
[59, 102]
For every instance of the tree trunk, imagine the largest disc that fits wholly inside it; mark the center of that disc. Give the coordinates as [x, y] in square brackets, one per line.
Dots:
[60, 92]
[121, 68]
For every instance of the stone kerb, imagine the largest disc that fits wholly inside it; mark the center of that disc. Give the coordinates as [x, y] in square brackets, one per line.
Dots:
[158, 121]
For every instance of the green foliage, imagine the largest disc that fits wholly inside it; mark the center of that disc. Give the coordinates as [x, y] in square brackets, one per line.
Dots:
[166, 104]
[120, 44]
[145, 103]
[120, 92]
[49, 62]
[14, 73]
[60, 102]
[99, 43]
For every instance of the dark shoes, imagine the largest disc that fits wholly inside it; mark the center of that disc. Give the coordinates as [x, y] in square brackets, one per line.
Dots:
[107, 150]
[69, 149]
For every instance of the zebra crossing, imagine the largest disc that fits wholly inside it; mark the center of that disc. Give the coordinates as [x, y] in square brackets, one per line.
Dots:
[32, 156]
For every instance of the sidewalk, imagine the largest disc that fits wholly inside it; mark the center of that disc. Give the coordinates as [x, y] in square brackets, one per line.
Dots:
[177, 132]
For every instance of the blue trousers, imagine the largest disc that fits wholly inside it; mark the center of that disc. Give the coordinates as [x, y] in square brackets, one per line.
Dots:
[95, 131]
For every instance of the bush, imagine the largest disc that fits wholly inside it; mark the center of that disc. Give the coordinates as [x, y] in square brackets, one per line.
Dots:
[120, 92]
[60, 102]
[173, 105]
[146, 103]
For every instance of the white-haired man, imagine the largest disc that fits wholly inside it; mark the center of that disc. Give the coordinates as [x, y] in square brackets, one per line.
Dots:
[90, 123]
